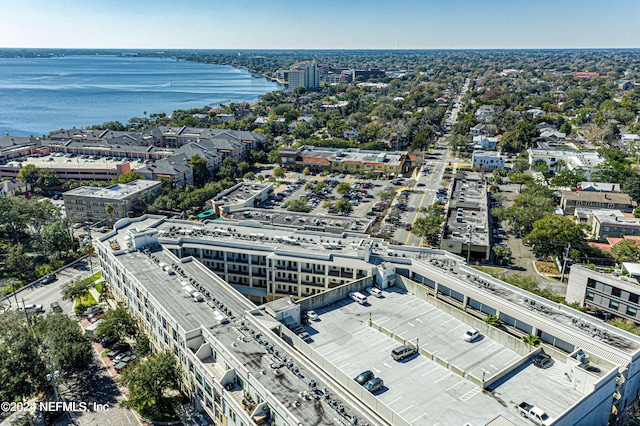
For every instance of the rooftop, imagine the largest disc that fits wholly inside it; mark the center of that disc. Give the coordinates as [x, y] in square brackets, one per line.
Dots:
[114, 192]
[241, 193]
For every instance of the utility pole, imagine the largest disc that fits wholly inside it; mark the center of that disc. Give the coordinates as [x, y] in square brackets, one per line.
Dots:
[564, 261]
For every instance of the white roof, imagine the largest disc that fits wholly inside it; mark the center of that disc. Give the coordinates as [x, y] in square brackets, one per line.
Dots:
[632, 268]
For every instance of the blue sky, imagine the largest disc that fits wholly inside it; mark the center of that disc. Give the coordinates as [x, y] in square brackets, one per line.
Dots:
[320, 24]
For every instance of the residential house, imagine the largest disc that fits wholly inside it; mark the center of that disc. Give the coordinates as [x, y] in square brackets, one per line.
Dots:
[484, 142]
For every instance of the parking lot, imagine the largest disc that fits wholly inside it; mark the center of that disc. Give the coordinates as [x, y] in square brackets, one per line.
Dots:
[419, 389]
[362, 197]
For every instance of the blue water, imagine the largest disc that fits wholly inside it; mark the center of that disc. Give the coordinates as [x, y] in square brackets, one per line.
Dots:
[39, 95]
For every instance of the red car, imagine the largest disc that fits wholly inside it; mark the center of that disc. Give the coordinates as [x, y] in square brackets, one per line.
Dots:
[407, 227]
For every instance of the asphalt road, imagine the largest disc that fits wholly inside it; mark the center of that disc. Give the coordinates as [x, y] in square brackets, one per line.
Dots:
[46, 294]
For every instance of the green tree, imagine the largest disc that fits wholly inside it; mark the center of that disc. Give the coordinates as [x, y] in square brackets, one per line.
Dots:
[73, 290]
[343, 188]
[279, 173]
[535, 202]
[149, 382]
[243, 167]
[22, 371]
[29, 174]
[626, 251]
[631, 186]
[306, 171]
[64, 343]
[531, 339]
[200, 170]
[57, 238]
[299, 205]
[568, 178]
[551, 235]
[274, 156]
[118, 322]
[493, 321]
[343, 205]
[428, 226]
[127, 177]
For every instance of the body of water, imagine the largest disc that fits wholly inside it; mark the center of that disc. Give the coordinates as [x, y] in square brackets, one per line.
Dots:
[39, 95]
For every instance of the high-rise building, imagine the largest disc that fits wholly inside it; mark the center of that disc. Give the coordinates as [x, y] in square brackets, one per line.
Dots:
[305, 74]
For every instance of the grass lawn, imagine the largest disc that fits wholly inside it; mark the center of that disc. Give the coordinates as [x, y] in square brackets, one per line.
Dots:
[99, 287]
[86, 300]
[547, 267]
[96, 275]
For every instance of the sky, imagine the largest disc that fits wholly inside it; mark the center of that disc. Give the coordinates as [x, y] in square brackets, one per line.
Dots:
[320, 24]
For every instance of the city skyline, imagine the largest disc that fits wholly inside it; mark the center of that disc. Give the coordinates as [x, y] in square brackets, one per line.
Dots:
[378, 24]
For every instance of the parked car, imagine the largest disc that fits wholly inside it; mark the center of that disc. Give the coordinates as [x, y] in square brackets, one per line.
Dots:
[55, 307]
[312, 315]
[108, 341]
[541, 360]
[407, 227]
[535, 414]
[304, 336]
[402, 352]
[471, 335]
[96, 318]
[299, 330]
[364, 377]
[374, 385]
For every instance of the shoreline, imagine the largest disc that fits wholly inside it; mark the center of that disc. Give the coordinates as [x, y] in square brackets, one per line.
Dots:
[21, 127]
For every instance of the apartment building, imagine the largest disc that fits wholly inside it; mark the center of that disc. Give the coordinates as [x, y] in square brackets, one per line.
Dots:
[486, 160]
[615, 294]
[570, 200]
[150, 261]
[93, 204]
[304, 74]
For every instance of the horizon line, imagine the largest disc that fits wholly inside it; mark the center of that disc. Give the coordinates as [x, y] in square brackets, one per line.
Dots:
[321, 49]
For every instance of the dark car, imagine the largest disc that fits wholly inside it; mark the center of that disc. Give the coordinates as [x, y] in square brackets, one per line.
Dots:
[49, 279]
[541, 360]
[55, 307]
[109, 341]
[374, 385]
[364, 377]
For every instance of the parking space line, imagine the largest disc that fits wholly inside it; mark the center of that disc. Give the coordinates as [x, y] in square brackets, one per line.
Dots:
[447, 321]
[381, 320]
[386, 348]
[458, 326]
[419, 320]
[329, 352]
[386, 365]
[451, 387]
[442, 378]
[412, 325]
[418, 418]
[395, 400]
[430, 371]
[420, 365]
[358, 331]
[400, 412]
[438, 316]
[352, 372]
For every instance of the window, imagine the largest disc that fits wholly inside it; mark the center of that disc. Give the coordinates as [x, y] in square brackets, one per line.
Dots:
[631, 311]
[589, 295]
[591, 283]
[613, 304]
[633, 298]
[616, 292]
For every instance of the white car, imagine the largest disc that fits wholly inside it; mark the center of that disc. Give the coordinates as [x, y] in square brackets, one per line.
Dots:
[471, 335]
[312, 316]
[31, 308]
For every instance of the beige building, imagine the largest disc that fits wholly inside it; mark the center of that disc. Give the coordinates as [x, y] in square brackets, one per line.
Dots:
[91, 204]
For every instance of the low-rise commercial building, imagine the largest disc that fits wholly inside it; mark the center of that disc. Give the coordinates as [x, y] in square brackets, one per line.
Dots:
[93, 204]
[351, 160]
